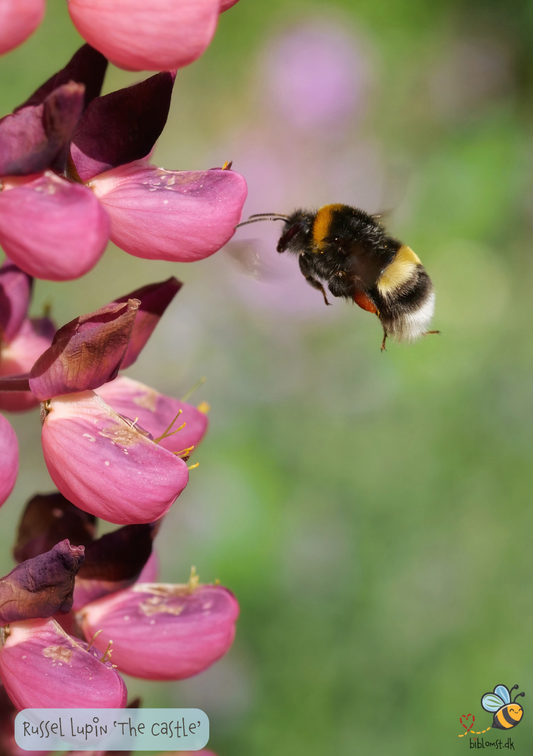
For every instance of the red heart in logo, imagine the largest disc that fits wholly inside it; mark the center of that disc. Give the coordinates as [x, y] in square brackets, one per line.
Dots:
[466, 717]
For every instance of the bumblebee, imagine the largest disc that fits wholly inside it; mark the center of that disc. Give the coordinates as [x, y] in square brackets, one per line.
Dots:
[507, 713]
[351, 252]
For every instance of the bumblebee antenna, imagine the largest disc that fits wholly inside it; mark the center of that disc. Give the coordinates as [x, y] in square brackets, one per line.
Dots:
[263, 217]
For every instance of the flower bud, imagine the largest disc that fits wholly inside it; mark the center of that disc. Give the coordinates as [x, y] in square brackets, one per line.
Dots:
[105, 465]
[162, 631]
[42, 667]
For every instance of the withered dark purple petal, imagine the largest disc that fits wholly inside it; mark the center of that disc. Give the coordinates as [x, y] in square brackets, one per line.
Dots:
[85, 353]
[132, 120]
[41, 586]
[86, 67]
[120, 555]
[154, 299]
[15, 295]
[114, 562]
[37, 137]
[48, 519]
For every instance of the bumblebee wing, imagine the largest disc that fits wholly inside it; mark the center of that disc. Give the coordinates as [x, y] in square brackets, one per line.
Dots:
[503, 692]
[247, 256]
[492, 702]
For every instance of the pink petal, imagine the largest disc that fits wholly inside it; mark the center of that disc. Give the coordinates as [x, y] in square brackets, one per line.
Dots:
[162, 35]
[155, 412]
[227, 4]
[180, 216]
[43, 667]
[104, 465]
[9, 459]
[162, 631]
[51, 228]
[18, 19]
[86, 352]
[18, 357]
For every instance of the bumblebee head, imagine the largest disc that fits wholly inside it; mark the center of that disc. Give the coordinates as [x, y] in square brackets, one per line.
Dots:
[405, 297]
[515, 711]
[297, 232]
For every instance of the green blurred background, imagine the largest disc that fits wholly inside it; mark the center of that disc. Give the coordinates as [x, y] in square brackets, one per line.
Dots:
[372, 512]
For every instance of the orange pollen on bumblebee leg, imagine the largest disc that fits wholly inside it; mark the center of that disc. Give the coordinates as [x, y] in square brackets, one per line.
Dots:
[364, 302]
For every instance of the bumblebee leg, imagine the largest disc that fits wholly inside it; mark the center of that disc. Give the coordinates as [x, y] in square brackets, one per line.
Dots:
[428, 333]
[306, 272]
[383, 348]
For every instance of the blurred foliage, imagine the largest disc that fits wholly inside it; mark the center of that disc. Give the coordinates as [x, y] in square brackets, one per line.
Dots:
[372, 512]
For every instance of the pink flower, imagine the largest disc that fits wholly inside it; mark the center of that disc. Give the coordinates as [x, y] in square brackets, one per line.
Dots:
[18, 19]
[43, 667]
[105, 465]
[162, 631]
[9, 459]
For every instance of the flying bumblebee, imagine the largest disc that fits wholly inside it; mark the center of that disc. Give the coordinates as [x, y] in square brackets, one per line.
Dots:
[507, 713]
[351, 252]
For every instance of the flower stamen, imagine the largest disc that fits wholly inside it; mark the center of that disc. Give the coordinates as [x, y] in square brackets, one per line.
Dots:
[166, 433]
[92, 639]
[196, 386]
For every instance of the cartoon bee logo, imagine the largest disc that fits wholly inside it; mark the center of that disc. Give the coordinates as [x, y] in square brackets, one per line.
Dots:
[507, 713]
